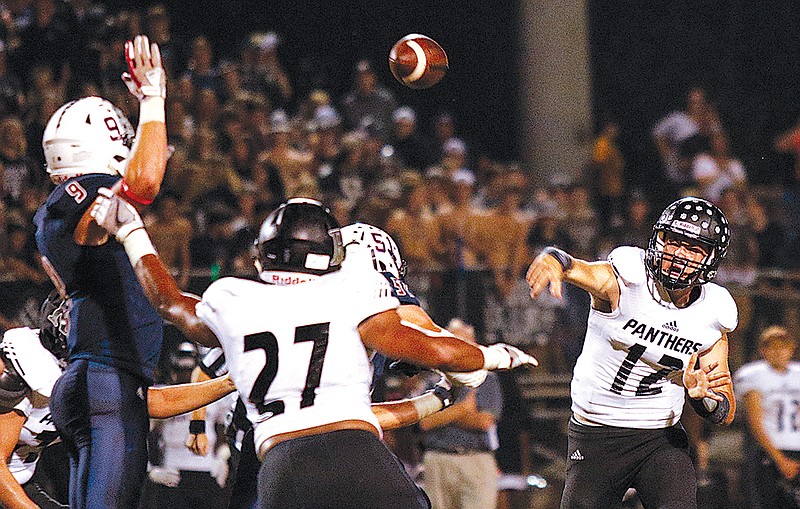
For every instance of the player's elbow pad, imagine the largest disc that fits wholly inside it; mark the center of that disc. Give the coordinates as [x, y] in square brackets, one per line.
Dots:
[716, 414]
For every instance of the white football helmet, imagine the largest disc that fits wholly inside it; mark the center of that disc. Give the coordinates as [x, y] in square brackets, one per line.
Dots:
[366, 242]
[89, 135]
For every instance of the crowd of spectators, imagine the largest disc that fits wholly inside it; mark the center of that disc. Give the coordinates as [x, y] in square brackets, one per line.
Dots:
[244, 139]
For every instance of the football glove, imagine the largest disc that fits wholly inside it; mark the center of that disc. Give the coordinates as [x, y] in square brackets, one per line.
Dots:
[145, 76]
[115, 215]
[503, 356]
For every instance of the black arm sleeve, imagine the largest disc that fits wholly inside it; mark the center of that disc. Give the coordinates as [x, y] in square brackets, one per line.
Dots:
[715, 416]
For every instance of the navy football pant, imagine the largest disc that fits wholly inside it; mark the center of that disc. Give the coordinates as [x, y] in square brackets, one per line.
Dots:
[101, 413]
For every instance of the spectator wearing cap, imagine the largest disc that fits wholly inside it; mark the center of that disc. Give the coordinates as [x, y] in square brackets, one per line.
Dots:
[294, 165]
[406, 140]
[463, 239]
[261, 69]
[369, 100]
[454, 156]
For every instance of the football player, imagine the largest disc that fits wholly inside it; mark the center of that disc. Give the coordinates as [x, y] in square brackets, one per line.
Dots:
[657, 331]
[31, 360]
[769, 389]
[372, 248]
[116, 335]
[296, 350]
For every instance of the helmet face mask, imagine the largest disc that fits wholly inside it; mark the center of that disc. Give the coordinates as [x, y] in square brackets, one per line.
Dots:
[380, 247]
[89, 135]
[54, 325]
[698, 225]
[300, 236]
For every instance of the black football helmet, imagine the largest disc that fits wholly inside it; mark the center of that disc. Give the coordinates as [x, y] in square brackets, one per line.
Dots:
[54, 325]
[301, 236]
[701, 222]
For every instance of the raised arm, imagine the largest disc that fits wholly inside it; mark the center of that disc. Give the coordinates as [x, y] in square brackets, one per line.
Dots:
[172, 400]
[120, 219]
[554, 266]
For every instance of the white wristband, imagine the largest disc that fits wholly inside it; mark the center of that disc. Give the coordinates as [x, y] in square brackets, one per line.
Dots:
[427, 404]
[151, 109]
[137, 244]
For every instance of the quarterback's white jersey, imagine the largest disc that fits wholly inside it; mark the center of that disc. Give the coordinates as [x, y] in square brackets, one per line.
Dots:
[623, 375]
[294, 351]
[780, 400]
[40, 370]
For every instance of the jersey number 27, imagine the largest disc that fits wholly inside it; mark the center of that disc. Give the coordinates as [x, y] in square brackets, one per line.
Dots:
[318, 333]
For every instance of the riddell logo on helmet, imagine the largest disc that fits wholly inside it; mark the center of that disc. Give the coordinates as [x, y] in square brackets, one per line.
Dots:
[689, 227]
[288, 279]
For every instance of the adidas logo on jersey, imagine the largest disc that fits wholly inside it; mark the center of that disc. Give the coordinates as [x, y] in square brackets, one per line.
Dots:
[576, 456]
[673, 326]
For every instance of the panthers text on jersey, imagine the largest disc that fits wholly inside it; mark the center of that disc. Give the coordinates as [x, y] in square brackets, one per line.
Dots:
[40, 370]
[294, 352]
[623, 376]
[780, 400]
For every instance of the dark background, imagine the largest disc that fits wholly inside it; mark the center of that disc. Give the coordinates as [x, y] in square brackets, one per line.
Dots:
[644, 55]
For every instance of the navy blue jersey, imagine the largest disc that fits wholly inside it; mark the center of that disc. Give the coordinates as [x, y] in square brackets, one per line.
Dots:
[404, 295]
[111, 320]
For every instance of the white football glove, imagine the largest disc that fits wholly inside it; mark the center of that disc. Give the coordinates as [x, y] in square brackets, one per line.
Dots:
[146, 76]
[466, 379]
[115, 215]
[219, 468]
[503, 356]
[165, 476]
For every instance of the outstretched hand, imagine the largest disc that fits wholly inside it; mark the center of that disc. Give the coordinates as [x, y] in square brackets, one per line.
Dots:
[503, 356]
[146, 76]
[115, 215]
[700, 381]
[543, 271]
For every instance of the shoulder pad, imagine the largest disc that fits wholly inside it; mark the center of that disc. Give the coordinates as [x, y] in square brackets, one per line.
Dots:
[38, 367]
[725, 306]
[628, 265]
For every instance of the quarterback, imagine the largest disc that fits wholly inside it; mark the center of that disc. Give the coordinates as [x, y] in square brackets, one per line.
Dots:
[657, 331]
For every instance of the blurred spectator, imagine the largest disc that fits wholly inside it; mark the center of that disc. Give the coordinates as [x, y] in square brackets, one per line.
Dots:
[768, 391]
[200, 66]
[262, 71]
[369, 102]
[607, 174]
[157, 24]
[206, 108]
[17, 171]
[681, 134]
[637, 226]
[208, 176]
[454, 156]
[717, 170]
[444, 128]
[406, 140]
[12, 97]
[294, 165]
[581, 221]
[746, 218]
[789, 142]
[49, 40]
[463, 282]
[171, 232]
[460, 467]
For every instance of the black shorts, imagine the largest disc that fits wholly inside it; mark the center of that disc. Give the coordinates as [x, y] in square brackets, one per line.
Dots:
[346, 468]
[603, 462]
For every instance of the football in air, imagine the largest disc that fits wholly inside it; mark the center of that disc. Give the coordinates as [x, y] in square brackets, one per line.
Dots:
[417, 61]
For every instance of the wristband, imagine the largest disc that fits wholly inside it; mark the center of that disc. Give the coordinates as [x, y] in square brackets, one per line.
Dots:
[711, 410]
[444, 395]
[197, 427]
[137, 244]
[131, 196]
[562, 257]
[427, 404]
[151, 109]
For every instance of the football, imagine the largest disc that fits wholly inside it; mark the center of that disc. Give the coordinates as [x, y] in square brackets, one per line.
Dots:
[417, 61]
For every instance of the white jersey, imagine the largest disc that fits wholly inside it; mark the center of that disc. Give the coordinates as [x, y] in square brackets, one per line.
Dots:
[780, 400]
[623, 375]
[40, 370]
[294, 351]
